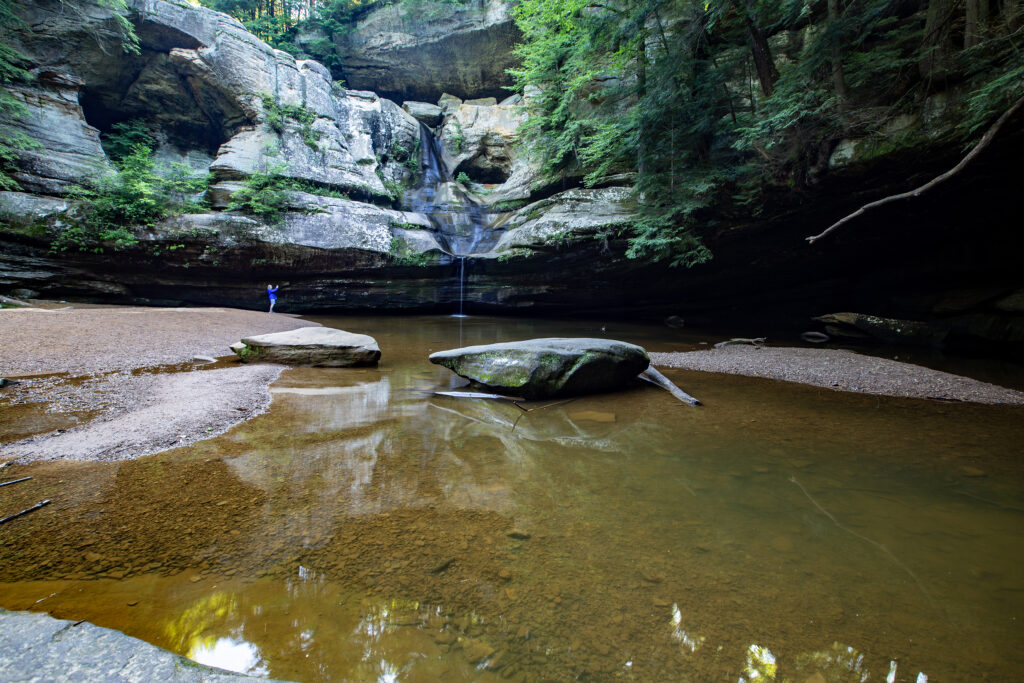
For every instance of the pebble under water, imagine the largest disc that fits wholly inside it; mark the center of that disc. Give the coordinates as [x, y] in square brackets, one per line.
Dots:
[367, 530]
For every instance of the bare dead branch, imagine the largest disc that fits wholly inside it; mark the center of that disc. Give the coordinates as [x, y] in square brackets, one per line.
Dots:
[982, 144]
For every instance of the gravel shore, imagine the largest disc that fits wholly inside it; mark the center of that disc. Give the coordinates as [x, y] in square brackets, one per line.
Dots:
[841, 370]
[111, 365]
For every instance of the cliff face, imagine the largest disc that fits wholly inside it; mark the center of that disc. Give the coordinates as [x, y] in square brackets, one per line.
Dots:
[208, 89]
[458, 48]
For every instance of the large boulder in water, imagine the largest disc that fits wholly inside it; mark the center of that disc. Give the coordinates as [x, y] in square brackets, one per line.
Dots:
[316, 346]
[538, 368]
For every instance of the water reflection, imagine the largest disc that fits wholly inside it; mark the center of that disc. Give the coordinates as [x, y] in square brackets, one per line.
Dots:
[685, 639]
[230, 654]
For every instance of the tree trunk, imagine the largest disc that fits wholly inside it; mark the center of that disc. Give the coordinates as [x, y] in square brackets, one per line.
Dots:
[935, 46]
[838, 75]
[641, 92]
[767, 74]
[971, 24]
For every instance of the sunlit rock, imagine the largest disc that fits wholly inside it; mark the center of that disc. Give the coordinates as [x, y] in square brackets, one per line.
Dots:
[317, 346]
[424, 112]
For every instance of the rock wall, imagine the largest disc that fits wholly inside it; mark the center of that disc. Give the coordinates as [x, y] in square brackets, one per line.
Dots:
[462, 48]
[200, 81]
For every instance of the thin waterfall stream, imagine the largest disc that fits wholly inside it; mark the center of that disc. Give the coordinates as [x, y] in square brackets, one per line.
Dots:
[461, 222]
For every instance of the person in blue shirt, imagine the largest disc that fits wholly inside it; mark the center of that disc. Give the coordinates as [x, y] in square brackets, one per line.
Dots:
[272, 295]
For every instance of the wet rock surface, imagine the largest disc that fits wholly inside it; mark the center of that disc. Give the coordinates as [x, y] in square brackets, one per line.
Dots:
[39, 647]
[538, 368]
[315, 346]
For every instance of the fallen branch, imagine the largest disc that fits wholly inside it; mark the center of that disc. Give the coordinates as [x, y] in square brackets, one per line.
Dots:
[982, 144]
[474, 394]
[25, 511]
[656, 378]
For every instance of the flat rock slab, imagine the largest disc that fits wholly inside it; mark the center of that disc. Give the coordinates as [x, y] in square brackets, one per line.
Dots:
[539, 368]
[841, 370]
[37, 647]
[310, 346]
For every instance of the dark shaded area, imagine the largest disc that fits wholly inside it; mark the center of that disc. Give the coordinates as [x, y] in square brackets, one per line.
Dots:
[470, 64]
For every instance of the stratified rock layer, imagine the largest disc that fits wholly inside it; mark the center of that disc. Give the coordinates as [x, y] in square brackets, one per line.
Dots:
[538, 368]
[315, 346]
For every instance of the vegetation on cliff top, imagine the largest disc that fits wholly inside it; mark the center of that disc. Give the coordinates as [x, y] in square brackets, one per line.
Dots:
[710, 102]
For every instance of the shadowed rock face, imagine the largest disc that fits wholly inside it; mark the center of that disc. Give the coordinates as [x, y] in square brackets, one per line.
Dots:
[538, 368]
[459, 48]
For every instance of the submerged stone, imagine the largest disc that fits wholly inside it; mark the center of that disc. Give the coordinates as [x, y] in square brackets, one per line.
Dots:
[537, 368]
[314, 346]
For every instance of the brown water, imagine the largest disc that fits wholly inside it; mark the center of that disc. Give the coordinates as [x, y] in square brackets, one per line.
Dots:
[367, 530]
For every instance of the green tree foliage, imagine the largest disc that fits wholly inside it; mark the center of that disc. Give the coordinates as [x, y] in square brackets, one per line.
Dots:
[265, 193]
[278, 22]
[135, 194]
[706, 103]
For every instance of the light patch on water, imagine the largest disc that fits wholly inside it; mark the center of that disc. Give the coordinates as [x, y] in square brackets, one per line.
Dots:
[760, 665]
[232, 654]
[688, 641]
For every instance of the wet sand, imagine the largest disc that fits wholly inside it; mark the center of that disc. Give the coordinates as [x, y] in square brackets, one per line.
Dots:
[118, 383]
[841, 370]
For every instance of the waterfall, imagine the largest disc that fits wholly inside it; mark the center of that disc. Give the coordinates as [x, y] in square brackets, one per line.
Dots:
[460, 221]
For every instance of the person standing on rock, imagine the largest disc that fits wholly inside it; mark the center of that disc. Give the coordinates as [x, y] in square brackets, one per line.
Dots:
[272, 295]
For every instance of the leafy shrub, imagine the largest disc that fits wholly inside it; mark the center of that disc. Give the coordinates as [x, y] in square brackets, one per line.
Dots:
[402, 255]
[113, 204]
[278, 114]
[457, 140]
[125, 138]
[265, 194]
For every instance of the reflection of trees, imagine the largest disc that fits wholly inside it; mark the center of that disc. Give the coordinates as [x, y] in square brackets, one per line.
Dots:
[316, 632]
[838, 664]
[193, 629]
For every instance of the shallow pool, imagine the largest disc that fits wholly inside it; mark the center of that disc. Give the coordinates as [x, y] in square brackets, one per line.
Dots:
[365, 529]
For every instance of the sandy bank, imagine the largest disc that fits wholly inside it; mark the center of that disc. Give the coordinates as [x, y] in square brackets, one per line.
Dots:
[114, 379]
[89, 340]
[841, 370]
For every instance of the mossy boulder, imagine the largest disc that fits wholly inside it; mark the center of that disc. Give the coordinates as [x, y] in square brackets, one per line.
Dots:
[540, 368]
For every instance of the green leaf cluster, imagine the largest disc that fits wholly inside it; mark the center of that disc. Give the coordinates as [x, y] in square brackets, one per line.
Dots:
[277, 115]
[265, 193]
[402, 255]
[135, 194]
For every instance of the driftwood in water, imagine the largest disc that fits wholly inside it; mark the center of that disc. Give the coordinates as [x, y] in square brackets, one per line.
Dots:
[476, 394]
[14, 481]
[25, 511]
[654, 377]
